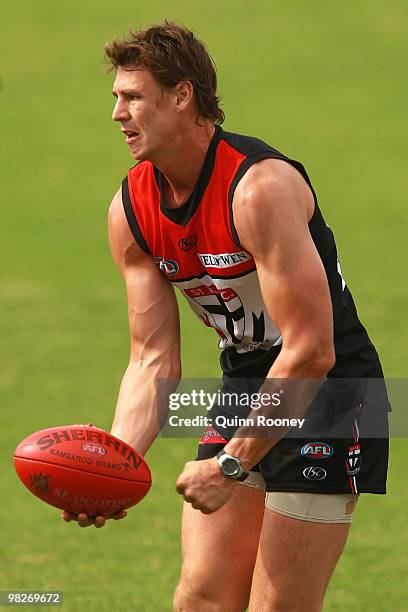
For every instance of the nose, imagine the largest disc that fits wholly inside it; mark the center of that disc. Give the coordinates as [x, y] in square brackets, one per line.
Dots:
[120, 111]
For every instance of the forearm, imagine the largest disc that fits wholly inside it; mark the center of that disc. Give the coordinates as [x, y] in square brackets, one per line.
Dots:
[296, 381]
[139, 409]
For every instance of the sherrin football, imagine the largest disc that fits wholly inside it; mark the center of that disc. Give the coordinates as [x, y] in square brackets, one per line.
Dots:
[81, 468]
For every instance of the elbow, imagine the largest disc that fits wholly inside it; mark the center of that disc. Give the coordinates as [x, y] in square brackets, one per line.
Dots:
[324, 366]
[172, 369]
[320, 360]
[176, 372]
[160, 365]
[310, 360]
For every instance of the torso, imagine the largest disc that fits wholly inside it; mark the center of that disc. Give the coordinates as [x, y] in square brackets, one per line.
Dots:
[197, 248]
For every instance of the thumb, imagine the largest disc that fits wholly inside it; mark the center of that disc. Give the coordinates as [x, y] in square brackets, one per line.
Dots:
[180, 484]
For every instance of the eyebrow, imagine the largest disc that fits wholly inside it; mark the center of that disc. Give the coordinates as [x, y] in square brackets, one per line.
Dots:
[127, 92]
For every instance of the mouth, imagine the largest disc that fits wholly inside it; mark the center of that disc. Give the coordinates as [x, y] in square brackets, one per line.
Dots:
[131, 136]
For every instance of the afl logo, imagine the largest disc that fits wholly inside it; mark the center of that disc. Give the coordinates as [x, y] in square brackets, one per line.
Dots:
[317, 450]
[186, 244]
[314, 473]
[93, 448]
[169, 266]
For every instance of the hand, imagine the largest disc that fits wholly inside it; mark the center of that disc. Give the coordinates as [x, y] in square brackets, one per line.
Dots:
[85, 521]
[204, 486]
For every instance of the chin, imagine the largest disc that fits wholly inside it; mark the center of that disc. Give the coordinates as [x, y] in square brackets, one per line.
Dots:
[136, 155]
[141, 155]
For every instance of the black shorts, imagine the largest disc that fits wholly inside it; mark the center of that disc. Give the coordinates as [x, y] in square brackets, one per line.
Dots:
[349, 464]
[343, 447]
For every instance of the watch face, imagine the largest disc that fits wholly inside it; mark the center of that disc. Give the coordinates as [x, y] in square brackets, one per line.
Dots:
[230, 467]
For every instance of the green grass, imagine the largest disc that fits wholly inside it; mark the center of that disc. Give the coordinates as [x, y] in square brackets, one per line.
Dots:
[324, 82]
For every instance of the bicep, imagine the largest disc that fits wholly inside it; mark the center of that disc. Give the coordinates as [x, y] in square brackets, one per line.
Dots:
[153, 314]
[295, 290]
[271, 215]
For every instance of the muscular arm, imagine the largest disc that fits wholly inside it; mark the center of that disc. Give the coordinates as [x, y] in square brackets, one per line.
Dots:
[154, 335]
[272, 207]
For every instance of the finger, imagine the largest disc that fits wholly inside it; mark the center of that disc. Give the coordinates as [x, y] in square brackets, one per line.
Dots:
[180, 487]
[67, 516]
[119, 515]
[83, 520]
[99, 521]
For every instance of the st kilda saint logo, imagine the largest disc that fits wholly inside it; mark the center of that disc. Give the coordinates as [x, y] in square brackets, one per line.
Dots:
[353, 461]
[224, 309]
[187, 243]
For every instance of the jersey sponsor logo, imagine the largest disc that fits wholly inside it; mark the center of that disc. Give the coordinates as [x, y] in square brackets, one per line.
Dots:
[93, 448]
[314, 473]
[187, 243]
[353, 461]
[317, 450]
[223, 260]
[169, 266]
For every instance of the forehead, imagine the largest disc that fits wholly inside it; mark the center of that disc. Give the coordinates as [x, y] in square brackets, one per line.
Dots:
[134, 79]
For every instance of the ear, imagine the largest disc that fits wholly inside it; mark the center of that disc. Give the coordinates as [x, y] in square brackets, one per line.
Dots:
[184, 94]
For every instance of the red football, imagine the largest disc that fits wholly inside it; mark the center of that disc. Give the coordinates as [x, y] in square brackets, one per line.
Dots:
[81, 468]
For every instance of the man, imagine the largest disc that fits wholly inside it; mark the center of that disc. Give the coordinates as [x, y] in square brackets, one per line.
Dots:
[235, 225]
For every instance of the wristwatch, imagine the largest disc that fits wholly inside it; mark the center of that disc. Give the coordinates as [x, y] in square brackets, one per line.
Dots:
[231, 466]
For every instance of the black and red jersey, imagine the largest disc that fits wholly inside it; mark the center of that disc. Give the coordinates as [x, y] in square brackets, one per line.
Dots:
[197, 248]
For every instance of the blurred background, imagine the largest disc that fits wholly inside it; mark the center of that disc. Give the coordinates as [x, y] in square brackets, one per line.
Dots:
[324, 83]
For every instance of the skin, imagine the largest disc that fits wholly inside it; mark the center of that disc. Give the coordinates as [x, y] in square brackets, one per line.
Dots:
[167, 128]
[166, 123]
[272, 206]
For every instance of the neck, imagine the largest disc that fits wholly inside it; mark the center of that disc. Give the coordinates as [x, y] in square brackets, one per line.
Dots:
[182, 167]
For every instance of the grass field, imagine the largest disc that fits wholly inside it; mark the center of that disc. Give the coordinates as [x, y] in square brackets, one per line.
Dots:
[323, 82]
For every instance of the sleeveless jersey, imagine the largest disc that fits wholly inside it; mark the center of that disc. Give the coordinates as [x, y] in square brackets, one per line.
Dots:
[197, 248]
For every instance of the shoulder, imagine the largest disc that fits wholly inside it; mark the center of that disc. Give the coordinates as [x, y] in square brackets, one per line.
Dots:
[125, 250]
[117, 222]
[271, 180]
[271, 196]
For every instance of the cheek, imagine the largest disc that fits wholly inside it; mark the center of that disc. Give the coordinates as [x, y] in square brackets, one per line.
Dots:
[167, 123]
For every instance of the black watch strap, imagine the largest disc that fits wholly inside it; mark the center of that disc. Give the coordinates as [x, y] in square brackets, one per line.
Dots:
[243, 476]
